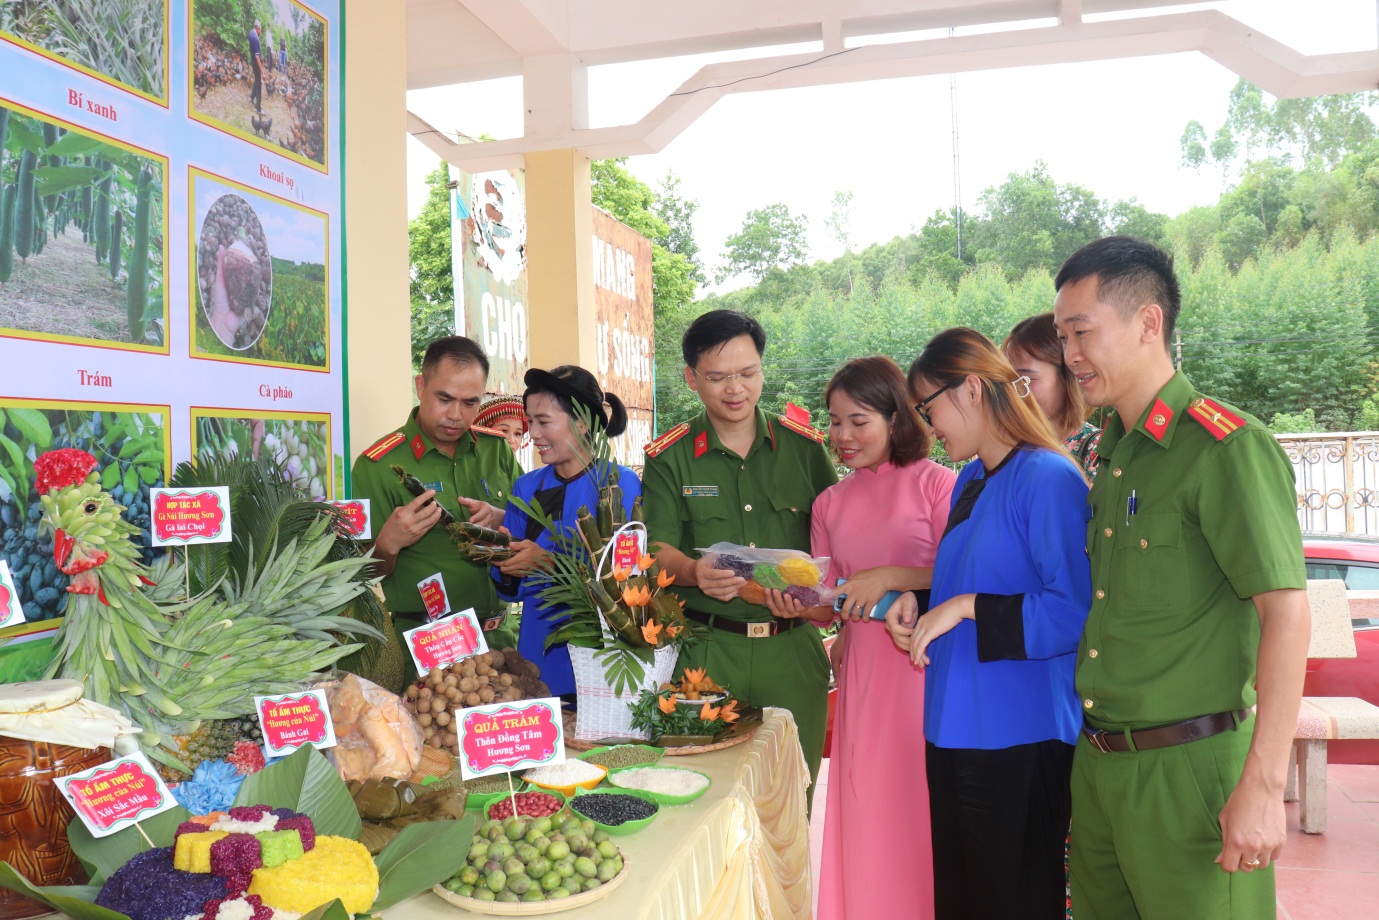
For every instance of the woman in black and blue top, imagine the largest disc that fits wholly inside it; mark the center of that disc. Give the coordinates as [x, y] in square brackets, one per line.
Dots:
[1010, 594]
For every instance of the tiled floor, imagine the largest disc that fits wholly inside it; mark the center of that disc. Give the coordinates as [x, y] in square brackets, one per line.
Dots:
[1331, 876]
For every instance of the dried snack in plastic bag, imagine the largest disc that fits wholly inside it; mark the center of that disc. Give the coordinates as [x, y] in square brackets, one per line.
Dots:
[798, 574]
[376, 737]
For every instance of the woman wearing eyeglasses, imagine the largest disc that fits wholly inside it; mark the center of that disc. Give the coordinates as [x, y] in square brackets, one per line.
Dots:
[1010, 595]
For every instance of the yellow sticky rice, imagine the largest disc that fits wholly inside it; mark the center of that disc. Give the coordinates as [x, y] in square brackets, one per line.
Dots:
[336, 867]
[800, 572]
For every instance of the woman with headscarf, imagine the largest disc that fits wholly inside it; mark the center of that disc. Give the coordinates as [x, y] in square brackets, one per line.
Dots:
[559, 404]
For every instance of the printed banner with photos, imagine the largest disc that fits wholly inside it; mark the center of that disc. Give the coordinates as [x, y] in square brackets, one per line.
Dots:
[171, 268]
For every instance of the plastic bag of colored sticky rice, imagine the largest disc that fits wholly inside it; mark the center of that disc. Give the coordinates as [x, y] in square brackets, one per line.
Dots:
[792, 571]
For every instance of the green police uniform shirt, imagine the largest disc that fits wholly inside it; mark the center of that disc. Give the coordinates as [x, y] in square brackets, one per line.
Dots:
[1193, 513]
[483, 467]
[696, 493]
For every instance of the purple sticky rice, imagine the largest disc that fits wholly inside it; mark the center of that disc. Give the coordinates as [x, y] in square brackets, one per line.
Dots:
[149, 888]
[736, 564]
[190, 827]
[807, 596]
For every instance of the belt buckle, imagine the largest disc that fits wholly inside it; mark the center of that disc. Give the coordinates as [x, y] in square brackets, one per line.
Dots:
[761, 630]
[1098, 739]
[493, 623]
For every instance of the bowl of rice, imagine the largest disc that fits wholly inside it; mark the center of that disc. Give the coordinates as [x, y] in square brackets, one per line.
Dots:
[566, 777]
[666, 785]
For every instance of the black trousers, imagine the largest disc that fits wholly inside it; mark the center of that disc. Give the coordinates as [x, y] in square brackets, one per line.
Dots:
[256, 92]
[999, 819]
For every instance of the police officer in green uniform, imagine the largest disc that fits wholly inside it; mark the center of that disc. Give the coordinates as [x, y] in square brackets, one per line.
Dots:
[1199, 613]
[733, 474]
[466, 469]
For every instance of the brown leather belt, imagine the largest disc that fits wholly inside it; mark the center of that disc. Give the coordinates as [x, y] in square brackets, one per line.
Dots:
[1148, 739]
[761, 630]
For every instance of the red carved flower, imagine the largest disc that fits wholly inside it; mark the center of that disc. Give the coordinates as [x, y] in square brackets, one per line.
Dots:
[59, 469]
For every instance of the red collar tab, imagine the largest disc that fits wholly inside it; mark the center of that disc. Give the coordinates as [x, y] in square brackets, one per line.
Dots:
[1219, 421]
[418, 446]
[1159, 417]
[701, 444]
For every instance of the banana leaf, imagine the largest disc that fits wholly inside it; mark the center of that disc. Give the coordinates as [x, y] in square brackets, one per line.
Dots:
[103, 855]
[332, 911]
[305, 782]
[420, 856]
[76, 901]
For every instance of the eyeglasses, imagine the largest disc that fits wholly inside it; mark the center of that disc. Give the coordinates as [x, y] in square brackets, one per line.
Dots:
[719, 380]
[919, 406]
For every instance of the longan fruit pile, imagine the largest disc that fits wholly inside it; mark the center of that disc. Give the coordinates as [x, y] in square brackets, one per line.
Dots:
[492, 677]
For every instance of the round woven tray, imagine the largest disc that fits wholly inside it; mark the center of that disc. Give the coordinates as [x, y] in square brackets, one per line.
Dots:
[530, 908]
[736, 735]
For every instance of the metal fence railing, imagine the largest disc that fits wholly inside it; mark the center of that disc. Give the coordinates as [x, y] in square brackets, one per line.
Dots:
[1337, 478]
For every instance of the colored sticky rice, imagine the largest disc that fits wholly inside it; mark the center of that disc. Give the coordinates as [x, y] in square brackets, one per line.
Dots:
[335, 868]
[190, 827]
[235, 853]
[246, 908]
[303, 826]
[193, 851]
[279, 847]
[149, 888]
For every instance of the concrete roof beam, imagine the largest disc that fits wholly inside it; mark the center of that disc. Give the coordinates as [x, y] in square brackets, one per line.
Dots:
[1271, 65]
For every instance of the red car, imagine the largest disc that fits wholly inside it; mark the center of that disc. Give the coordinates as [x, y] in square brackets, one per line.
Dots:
[1354, 560]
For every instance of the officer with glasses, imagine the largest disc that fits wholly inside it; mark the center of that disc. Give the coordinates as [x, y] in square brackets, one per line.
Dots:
[732, 473]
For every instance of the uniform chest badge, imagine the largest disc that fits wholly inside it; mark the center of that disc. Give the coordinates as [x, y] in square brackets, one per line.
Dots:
[436, 486]
[699, 491]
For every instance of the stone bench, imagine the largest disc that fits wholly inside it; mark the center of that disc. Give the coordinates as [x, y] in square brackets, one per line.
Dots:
[1326, 718]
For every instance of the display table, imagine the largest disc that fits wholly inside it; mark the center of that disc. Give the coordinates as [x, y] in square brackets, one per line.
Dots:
[740, 851]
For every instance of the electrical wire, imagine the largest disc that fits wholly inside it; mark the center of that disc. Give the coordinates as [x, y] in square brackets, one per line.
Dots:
[769, 73]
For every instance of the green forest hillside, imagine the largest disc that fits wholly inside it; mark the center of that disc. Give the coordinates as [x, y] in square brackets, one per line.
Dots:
[1280, 276]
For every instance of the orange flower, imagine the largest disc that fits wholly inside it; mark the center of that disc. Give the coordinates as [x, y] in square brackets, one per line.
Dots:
[651, 631]
[667, 704]
[645, 563]
[636, 597]
[729, 713]
[673, 630]
[694, 675]
[621, 575]
[708, 714]
[664, 579]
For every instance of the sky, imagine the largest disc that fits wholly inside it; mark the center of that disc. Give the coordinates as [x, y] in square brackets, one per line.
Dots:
[1111, 126]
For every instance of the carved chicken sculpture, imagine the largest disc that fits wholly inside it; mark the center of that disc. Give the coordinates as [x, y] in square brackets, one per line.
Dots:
[173, 666]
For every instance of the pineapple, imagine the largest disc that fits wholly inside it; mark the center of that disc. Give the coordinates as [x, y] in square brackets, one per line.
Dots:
[211, 740]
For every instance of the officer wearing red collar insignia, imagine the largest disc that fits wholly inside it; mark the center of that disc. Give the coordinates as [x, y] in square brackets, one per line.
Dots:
[468, 470]
[1191, 664]
[733, 474]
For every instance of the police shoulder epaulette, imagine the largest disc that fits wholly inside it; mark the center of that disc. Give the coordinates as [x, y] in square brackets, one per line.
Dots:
[800, 428]
[380, 449]
[667, 439]
[1219, 421]
[492, 432]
